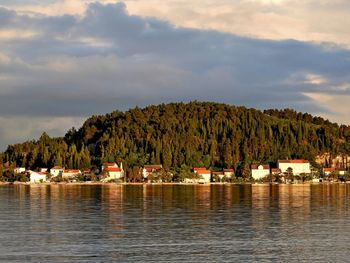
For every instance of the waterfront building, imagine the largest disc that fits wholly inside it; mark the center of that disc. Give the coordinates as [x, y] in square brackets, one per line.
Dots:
[327, 171]
[260, 171]
[19, 170]
[147, 169]
[298, 166]
[203, 173]
[56, 171]
[70, 174]
[229, 173]
[37, 177]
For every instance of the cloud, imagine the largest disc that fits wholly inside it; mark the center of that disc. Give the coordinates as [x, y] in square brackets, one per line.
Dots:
[73, 66]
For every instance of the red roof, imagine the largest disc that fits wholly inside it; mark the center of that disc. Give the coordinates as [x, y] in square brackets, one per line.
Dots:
[42, 173]
[265, 166]
[276, 170]
[111, 169]
[71, 171]
[199, 168]
[203, 171]
[57, 168]
[293, 161]
[228, 170]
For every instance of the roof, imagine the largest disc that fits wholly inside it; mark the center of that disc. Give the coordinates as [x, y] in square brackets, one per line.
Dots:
[256, 167]
[41, 173]
[203, 172]
[276, 170]
[218, 173]
[293, 161]
[199, 168]
[328, 169]
[228, 170]
[112, 169]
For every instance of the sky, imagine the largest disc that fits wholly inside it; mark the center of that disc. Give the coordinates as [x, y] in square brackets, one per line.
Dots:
[62, 61]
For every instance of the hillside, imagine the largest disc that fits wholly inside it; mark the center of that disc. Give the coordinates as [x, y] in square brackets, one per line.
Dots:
[195, 134]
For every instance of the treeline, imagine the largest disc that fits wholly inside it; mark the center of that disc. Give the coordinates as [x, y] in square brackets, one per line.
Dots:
[193, 134]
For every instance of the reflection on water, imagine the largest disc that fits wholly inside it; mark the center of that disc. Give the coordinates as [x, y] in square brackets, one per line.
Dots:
[170, 223]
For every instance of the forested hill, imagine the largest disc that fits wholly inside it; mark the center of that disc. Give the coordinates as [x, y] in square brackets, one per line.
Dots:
[195, 134]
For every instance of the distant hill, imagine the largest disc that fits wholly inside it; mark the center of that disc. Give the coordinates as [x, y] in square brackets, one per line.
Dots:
[194, 134]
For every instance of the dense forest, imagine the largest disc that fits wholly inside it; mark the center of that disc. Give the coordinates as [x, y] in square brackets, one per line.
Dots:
[193, 134]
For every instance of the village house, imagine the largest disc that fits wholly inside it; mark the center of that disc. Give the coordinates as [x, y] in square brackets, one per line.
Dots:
[56, 171]
[109, 165]
[37, 177]
[298, 166]
[342, 171]
[229, 173]
[203, 173]
[19, 170]
[70, 174]
[43, 170]
[327, 171]
[147, 169]
[276, 171]
[260, 171]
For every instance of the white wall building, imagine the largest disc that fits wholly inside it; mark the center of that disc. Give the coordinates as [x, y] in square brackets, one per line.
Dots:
[19, 170]
[229, 173]
[298, 166]
[37, 177]
[69, 174]
[147, 169]
[204, 175]
[56, 171]
[109, 165]
[260, 171]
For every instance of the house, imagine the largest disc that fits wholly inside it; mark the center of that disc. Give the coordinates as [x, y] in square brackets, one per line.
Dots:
[147, 169]
[109, 165]
[203, 173]
[113, 173]
[342, 171]
[19, 170]
[56, 171]
[229, 173]
[328, 171]
[69, 174]
[37, 177]
[298, 166]
[260, 171]
[43, 170]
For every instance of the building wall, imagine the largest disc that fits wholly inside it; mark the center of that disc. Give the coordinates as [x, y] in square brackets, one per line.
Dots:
[205, 178]
[56, 172]
[35, 178]
[298, 168]
[260, 173]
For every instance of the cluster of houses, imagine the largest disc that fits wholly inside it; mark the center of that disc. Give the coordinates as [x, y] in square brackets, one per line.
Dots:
[113, 171]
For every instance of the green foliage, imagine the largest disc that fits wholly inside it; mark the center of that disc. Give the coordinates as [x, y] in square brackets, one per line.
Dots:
[192, 134]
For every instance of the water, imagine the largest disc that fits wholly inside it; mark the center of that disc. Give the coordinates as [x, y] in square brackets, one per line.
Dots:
[175, 223]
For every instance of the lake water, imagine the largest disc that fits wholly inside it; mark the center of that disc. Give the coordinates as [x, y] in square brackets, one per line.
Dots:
[175, 223]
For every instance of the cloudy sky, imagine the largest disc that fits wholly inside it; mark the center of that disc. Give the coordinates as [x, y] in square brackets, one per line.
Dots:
[64, 60]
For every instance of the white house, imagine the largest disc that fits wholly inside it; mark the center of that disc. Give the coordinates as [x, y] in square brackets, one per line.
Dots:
[229, 173]
[43, 170]
[109, 165]
[219, 174]
[37, 177]
[260, 171]
[204, 175]
[147, 169]
[19, 170]
[342, 171]
[113, 173]
[327, 171]
[56, 171]
[69, 174]
[298, 166]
